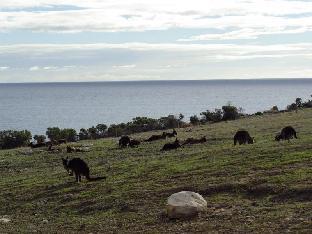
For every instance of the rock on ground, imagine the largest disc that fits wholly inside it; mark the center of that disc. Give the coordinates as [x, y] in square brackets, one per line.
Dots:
[185, 204]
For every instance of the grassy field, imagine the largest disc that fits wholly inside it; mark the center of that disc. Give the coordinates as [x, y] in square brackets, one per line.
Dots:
[264, 187]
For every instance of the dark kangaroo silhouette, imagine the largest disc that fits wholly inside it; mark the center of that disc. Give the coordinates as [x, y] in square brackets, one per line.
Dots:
[62, 141]
[134, 143]
[287, 133]
[171, 134]
[38, 145]
[191, 141]
[171, 146]
[157, 137]
[79, 168]
[243, 137]
[124, 141]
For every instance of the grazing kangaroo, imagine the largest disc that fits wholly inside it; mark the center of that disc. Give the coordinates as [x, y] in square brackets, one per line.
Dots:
[124, 141]
[191, 141]
[157, 137]
[171, 134]
[243, 137]
[62, 141]
[38, 145]
[78, 167]
[171, 146]
[287, 133]
[134, 143]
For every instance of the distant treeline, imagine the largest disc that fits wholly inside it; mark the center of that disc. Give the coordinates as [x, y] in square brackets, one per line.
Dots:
[12, 139]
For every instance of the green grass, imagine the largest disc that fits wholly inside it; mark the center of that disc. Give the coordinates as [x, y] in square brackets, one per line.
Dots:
[264, 187]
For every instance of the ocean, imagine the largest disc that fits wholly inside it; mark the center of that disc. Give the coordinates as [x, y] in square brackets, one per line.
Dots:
[37, 106]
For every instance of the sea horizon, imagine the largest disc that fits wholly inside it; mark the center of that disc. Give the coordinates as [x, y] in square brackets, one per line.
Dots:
[37, 106]
[164, 80]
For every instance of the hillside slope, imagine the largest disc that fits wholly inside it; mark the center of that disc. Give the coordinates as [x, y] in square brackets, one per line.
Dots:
[264, 187]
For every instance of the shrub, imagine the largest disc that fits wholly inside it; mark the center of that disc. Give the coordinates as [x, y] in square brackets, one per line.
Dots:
[69, 134]
[259, 113]
[298, 102]
[55, 134]
[274, 109]
[83, 134]
[307, 104]
[40, 139]
[209, 116]
[169, 122]
[292, 107]
[194, 120]
[229, 112]
[101, 130]
[11, 139]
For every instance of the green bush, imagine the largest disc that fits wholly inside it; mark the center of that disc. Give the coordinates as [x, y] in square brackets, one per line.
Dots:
[10, 139]
[55, 134]
[229, 112]
[209, 116]
[194, 120]
[40, 139]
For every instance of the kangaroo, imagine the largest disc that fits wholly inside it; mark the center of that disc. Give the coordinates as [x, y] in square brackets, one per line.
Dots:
[171, 134]
[286, 134]
[243, 137]
[191, 141]
[124, 141]
[78, 167]
[134, 143]
[157, 137]
[171, 146]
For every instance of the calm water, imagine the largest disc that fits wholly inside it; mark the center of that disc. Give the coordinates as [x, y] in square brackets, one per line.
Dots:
[38, 106]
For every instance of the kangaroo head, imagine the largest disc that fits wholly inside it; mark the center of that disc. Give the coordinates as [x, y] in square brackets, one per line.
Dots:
[251, 140]
[65, 164]
[278, 137]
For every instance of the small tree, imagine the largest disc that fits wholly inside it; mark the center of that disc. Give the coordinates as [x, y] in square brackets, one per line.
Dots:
[274, 109]
[101, 129]
[299, 102]
[54, 133]
[229, 112]
[194, 120]
[69, 134]
[209, 116]
[93, 132]
[83, 134]
[11, 139]
[40, 139]
[292, 107]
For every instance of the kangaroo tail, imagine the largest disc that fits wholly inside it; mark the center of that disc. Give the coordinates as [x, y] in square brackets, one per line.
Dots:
[95, 178]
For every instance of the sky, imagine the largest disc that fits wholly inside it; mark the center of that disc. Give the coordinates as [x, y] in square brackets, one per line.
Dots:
[121, 40]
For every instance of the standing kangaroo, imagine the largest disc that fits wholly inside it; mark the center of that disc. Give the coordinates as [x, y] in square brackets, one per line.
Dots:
[78, 167]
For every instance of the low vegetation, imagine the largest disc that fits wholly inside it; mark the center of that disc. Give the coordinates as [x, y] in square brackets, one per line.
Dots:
[12, 139]
[263, 187]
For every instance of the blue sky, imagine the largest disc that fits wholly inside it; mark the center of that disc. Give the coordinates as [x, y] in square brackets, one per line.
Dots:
[73, 40]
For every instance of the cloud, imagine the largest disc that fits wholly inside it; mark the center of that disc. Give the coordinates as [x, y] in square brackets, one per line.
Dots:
[247, 33]
[34, 68]
[142, 15]
[50, 68]
[38, 50]
[4, 68]
[125, 66]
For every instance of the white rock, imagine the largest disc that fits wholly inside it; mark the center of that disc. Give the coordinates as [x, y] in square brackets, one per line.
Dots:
[185, 204]
[5, 219]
